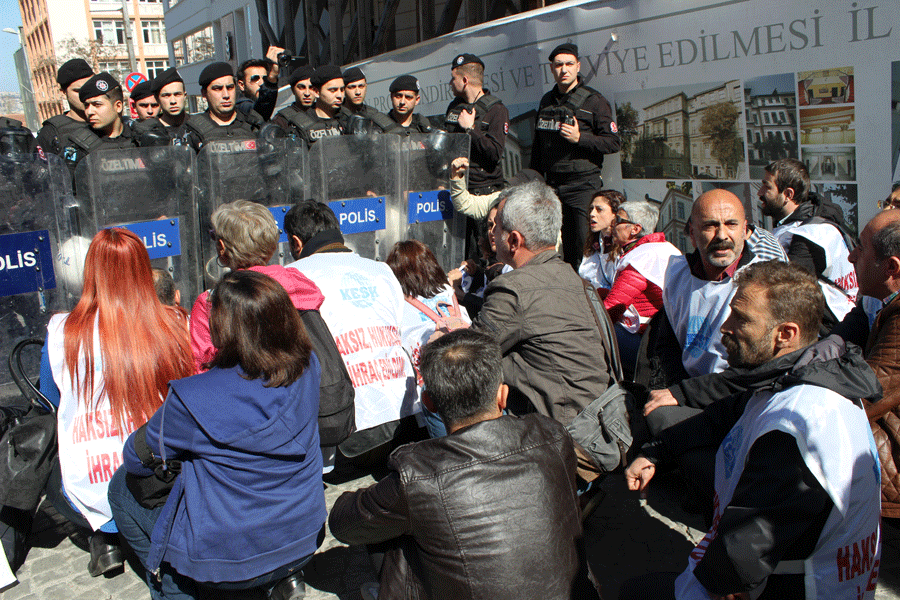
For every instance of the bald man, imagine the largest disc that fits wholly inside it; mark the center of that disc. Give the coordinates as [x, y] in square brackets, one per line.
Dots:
[686, 341]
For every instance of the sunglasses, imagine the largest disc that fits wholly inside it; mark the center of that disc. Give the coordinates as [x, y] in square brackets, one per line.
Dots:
[255, 78]
[621, 221]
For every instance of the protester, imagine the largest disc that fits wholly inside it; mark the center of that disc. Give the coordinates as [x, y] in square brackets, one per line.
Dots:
[257, 79]
[461, 512]
[636, 293]
[796, 477]
[246, 236]
[597, 266]
[430, 304]
[248, 509]
[107, 365]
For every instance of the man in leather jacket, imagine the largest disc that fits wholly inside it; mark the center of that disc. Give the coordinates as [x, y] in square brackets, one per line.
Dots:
[462, 509]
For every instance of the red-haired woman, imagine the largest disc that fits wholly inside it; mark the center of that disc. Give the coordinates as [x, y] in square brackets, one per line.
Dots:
[430, 301]
[111, 361]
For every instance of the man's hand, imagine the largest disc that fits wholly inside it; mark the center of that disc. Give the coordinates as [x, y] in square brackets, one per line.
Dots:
[272, 54]
[458, 167]
[467, 119]
[659, 398]
[638, 475]
[570, 132]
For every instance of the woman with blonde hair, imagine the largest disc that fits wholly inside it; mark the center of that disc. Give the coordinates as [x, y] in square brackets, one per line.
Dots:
[110, 360]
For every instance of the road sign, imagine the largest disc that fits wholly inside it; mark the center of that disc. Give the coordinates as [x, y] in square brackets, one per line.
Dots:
[133, 79]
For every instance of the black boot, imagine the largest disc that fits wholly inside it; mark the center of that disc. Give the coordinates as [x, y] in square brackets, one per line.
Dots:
[105, 554]
[289, 588]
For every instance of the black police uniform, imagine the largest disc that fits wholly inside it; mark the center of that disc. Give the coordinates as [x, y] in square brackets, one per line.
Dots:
[306, 124]
[62, 132]
[153, 132]
[378, 122]
[419, 124]
[573, 170]
[488, 140]
[201, 129]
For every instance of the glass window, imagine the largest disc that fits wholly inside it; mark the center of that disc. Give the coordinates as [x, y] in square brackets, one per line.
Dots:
[178, 51]
[109, 32]
[154, 32]
[156, 67]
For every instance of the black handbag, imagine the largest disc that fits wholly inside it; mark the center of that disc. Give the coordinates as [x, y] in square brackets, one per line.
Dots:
[151, 491]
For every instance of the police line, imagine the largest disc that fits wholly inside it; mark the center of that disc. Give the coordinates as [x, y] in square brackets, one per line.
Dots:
[383, 189]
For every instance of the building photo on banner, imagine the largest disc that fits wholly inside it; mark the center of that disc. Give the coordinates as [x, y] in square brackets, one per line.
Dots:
[705, 94]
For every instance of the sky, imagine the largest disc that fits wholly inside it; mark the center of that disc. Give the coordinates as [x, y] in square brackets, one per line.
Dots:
[9, 43]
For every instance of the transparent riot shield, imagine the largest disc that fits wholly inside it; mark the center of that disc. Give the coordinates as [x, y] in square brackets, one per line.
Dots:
[359, 178]
[32, 238]
[426, 185]
[150, 192]
[271, 170]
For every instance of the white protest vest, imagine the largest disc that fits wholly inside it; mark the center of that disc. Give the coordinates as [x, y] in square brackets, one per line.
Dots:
[650, 260]
[90, 444]
[836, 443]
[418, 327]
[598, 270]
[363, 308]
[838, 269]
[696, 309]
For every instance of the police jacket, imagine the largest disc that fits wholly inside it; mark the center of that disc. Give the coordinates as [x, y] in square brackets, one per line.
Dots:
[551, 153]
[458, 506]
[377, 121]
[419, 124]
[152, 132]
[56, 132]
[488, 138]
[307, 124]
[202, 129]
[779, 508]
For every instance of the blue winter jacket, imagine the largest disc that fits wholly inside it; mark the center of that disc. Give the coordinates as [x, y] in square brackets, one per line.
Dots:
[250, 497]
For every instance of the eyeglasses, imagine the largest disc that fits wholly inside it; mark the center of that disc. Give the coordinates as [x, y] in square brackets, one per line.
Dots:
[255, 78]
[621, 221]
[213, 236]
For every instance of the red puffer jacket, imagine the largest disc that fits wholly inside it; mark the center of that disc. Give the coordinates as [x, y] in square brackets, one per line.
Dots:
[630, 287]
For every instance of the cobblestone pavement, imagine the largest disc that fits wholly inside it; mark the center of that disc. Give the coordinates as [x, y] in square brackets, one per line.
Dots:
[626, 537]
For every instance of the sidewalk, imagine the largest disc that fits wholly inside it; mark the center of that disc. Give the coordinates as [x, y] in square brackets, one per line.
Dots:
[626, 537]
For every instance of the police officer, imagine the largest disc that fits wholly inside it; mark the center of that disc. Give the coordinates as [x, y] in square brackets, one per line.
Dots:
[293, 118]
[573, 131]
[145, 104]
[476, 112]
[405, 98]
[220, 121]
[322, 120]
[168, 127]
[70, 129]
[356, 115]
[103, 101]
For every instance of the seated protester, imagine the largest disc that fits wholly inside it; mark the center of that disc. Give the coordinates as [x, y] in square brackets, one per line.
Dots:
[641, 261]
[145, 103]
[289, 118]
[459, 513]
[684, 339]
[257, 80]
[363, 309]
[355, 115]
[598, 266]
[165, 288]
[430, 304]
[220, 121]
[795, 482]
[248, 508]
[246, 238]
[404, 99]
[471, 279]
[108, 363]
[169, 126]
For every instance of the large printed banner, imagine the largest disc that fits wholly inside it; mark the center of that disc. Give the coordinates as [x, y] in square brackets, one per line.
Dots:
[706, 93]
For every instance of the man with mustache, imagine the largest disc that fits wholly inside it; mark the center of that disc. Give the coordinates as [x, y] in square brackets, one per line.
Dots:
[796, 480]
[696, 296]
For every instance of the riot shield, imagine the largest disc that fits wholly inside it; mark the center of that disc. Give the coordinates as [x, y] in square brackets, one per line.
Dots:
[150, 192]
[32, 286]
[359, 178]
[269, 170]
[426, 183]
